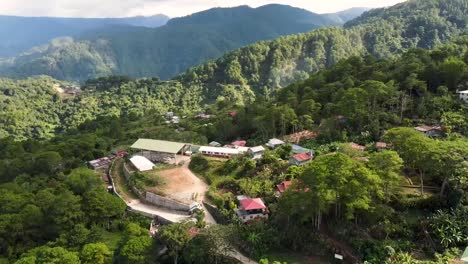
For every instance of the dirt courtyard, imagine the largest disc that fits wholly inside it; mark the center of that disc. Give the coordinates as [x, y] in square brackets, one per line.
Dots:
[181, 184]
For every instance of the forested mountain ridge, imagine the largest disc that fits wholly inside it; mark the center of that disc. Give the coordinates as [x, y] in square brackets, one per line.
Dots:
[166, 51]
[20, 34]
[383, 33]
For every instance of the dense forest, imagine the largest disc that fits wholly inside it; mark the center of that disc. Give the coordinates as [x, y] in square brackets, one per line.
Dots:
[357, 197]
[168, 50]
[382, 33]
[375, 190]
[262, 66]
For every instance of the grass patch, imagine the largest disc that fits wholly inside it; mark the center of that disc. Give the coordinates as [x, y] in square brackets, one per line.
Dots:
[120, 182]
[112, 239]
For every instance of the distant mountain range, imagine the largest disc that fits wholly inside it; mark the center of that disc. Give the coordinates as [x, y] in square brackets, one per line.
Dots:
[166, 51]
[22, 33]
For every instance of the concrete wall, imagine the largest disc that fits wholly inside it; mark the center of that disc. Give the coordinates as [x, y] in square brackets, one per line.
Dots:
[165, 202]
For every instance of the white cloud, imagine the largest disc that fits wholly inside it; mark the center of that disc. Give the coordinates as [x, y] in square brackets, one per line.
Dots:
[173, 8]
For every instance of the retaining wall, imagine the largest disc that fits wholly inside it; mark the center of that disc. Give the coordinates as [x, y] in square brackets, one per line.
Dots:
[165, 202]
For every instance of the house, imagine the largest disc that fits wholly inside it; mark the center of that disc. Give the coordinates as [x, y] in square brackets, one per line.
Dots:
[101, 163]
[463, 95]
[274, 143]
[356, 146]
[251, 208]
[219, 152]
[282, 187]
[298, 149]
[239, 143]
[301, 159]
[430, 131]
[232, 114]
[381, 146]
[215, 144]
[141, 163]
[256, 152]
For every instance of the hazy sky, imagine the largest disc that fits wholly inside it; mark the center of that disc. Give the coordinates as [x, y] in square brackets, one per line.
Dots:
[172, 8]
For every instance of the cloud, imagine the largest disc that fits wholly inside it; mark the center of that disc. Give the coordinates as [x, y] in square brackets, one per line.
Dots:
[120, 8]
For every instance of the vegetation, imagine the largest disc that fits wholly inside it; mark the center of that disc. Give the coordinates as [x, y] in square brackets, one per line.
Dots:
[163, 51]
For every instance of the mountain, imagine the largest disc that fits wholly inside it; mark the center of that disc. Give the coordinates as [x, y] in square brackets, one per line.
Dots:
[346, 15]
[384, 33]
[23, 33]
[165, 51]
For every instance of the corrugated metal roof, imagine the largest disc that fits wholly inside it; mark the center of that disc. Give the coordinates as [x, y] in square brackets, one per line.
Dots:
[158, 145]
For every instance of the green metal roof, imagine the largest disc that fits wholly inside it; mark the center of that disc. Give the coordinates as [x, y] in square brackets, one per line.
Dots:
[158, 145]
[465, 255]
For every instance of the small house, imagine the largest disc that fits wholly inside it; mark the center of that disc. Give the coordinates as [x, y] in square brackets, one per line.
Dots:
[274, 143]
[256, 152]
[215, 144]
[301, 159]
[282, 187]
[239, 143]
[251, 208]
[102, 163]
[232, 114]
[430, 131]
[298, 149]
[463, 95]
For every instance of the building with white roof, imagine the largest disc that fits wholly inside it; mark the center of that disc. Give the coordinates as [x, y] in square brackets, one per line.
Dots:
[141, 163]
[219, 152]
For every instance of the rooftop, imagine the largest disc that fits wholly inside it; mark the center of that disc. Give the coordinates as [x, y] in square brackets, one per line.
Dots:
[425, 128]
[220, 150]
[283, 186]
[381, 145]
[142, 163]
[252, 204]
[239, 143]
[275, 141]
[158, 145]
[301, 157]
[257, 149]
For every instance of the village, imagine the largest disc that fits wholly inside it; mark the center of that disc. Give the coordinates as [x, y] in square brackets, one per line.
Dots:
[186, 191]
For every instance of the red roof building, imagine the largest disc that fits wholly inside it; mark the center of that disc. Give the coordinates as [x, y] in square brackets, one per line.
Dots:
[301, 159]
[357, 146]
[239, 143]
[283, 186]
[251, 208]
[252, 204]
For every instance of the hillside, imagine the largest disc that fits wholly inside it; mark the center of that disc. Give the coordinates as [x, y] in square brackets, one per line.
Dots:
[384, 33]
[166, 51]
[23, 33]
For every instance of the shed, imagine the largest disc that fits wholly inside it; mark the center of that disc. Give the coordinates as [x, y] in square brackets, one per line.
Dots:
[274, 143]
[159, 150]
[141, 163]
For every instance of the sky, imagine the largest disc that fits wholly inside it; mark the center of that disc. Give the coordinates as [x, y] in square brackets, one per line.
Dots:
[172, 8]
